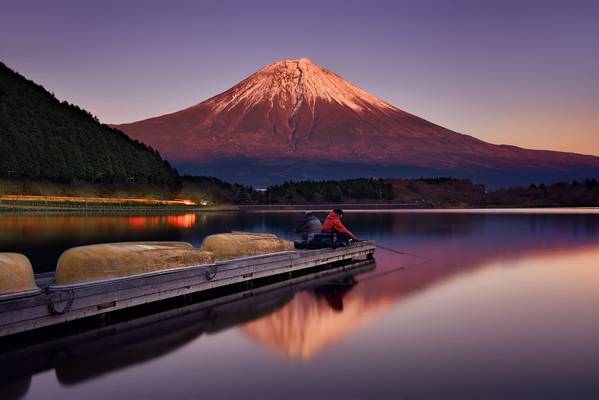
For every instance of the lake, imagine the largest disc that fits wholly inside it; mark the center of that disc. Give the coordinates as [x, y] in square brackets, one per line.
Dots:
[483, 305]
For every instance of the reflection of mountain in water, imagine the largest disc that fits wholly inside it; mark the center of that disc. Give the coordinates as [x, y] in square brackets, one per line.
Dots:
[313, 321]
[309, 323]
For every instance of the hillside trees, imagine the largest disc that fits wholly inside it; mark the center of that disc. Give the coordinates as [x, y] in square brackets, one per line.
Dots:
[43, 138]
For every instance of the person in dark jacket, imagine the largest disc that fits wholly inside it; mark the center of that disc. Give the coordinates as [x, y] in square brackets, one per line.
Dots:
[310, 224]
[333, 224]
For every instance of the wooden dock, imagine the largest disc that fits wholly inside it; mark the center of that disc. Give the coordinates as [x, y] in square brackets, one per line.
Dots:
[79, 355]
[55, 305]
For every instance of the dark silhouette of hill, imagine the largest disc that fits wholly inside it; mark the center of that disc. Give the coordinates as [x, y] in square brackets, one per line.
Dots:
[42, 138]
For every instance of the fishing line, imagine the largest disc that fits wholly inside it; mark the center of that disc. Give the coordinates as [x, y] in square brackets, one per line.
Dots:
[402, 252]
[400, 268]
[391, 271]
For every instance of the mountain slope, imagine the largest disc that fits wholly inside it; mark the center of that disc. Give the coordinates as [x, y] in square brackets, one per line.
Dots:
[42, 138]
[296, 111]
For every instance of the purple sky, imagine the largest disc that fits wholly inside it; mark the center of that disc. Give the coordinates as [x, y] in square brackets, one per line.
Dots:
[518, 72]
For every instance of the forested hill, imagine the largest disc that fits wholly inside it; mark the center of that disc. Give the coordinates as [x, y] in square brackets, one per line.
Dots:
[43, 138]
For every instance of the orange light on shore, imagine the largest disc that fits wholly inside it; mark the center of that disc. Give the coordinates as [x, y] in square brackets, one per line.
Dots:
[186, 202]
[115, 200]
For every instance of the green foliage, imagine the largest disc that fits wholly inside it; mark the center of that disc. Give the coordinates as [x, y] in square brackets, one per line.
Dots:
[559, 194]
[43, 138]
[591, 184]
[218, 192]
[423, 193]
[206, 181]
[437, 192]
[448, 193]
[350, 190]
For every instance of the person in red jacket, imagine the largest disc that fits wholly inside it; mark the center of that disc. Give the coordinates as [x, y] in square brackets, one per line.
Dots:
[333, 224]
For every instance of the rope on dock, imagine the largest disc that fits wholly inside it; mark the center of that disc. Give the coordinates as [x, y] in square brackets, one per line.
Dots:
[67, 307]
[210, 272]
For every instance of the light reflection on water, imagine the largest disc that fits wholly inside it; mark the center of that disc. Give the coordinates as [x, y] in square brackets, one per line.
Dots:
[505, 308]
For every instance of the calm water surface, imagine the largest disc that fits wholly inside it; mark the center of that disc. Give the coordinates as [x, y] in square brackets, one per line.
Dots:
[503, 306]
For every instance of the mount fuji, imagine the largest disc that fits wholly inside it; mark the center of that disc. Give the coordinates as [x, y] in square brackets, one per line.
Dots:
[294, 119]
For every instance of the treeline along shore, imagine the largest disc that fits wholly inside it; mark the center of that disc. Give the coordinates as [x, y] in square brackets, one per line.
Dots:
[443, 192]
[208, 193]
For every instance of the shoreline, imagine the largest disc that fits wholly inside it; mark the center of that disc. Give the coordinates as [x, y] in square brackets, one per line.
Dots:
[353, 207]
[26, 209]
[36, 203]
[296, 208]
